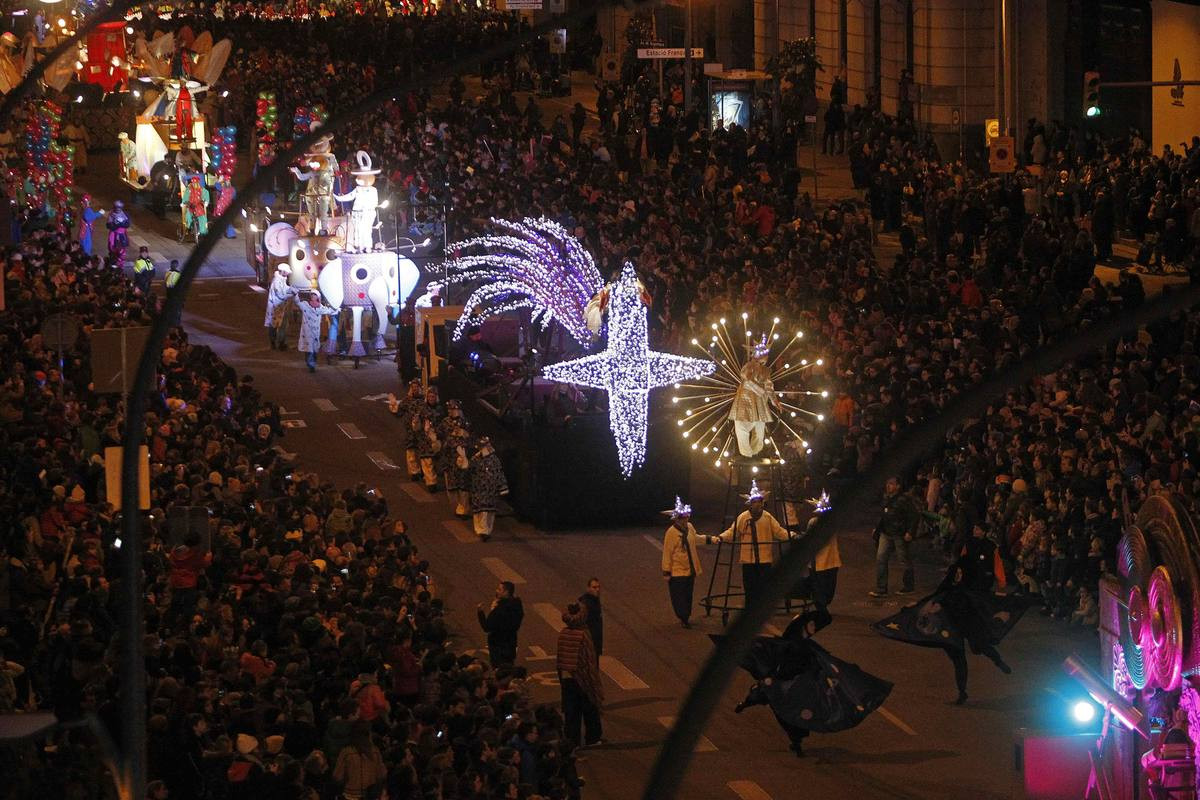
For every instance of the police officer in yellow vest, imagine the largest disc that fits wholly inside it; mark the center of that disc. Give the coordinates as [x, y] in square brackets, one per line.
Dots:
[143, 270]
[754, 533]
[171, 280]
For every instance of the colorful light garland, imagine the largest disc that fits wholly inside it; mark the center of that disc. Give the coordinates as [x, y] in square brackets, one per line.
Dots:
[628, 369]
[535, 264]
[706, 404]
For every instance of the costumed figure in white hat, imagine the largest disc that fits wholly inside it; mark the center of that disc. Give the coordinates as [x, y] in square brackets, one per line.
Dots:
[318, 184]
[681, 560]
[752, 404]
[754, 533]
[488, 484]
[821, 581]
[406, 409]
[279, 303]
[359, 234]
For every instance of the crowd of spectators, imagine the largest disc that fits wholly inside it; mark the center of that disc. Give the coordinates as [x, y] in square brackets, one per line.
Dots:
[295, 641]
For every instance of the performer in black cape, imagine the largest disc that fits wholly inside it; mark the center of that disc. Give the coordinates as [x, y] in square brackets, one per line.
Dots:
[963, 611]
[808, 689]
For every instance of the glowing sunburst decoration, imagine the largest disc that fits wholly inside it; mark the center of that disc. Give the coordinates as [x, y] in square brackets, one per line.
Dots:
[706, 404]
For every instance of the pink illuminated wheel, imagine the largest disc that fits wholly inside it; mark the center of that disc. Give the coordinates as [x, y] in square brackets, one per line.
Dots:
[1161, 632]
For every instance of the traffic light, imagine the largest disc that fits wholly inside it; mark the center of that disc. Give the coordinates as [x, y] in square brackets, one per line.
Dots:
[1091, 94]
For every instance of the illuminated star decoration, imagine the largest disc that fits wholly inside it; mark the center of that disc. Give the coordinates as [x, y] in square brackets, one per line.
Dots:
[681, 509]
[628, 369]
[535, 264]
[706, 403]
[821, 504]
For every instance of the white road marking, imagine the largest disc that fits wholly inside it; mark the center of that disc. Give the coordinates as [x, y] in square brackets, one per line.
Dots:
[501, 570]
[257, 288]
[284, 412]
[374, 397]
[748, 790]
[539, 654]
[293, 423]
[207, 295]
[324, 404]
[703, 744]
[351, 430]
[899, 723]
[416, 492]
[655, 543]
[551, 614]
[460, 531]
[381, 460]
[621, 674]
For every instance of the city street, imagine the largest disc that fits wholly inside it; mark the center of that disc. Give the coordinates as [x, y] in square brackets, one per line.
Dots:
[918, 745]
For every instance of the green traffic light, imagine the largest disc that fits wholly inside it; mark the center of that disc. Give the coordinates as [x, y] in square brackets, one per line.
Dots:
[1093, 111]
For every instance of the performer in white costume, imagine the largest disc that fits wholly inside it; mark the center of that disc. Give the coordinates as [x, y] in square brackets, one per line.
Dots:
[359, 237]
[752, 404]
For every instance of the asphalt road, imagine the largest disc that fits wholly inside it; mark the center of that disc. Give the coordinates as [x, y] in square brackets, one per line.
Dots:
[918, 746]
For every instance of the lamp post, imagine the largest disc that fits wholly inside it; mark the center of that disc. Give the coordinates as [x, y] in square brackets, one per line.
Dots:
[687, 59]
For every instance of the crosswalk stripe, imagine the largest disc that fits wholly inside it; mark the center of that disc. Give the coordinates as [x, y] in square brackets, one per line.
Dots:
[351, 430]
[551, 614]
[416, 492]
[655, 543]
[772, 630]
[324, 404]
[257, 288]
[621, 674]
[703, 744]
[381, 460]
[539, 654]
[748, 790]
[460, 531]
[501, 570]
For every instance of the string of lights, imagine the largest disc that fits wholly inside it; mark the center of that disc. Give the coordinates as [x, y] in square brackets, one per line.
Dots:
[706, 404]
[535, 264]
[628, 369]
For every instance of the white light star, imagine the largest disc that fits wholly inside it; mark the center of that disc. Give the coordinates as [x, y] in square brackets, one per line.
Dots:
[628, 369]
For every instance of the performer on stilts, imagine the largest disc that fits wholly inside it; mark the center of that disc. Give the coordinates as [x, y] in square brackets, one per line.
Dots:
[963, 612]
[681, 560]
[808, 689]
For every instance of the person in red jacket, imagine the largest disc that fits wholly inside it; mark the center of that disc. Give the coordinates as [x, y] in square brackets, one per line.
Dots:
[406, 669]
[970, 294]
[579, 678]
[255, 662]
[187, 562]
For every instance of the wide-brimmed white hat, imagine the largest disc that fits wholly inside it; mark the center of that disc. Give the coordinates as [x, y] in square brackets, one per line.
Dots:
[364, 164]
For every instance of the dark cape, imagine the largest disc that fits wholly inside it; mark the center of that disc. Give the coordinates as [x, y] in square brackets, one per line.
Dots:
[954, 617]
[808, 687]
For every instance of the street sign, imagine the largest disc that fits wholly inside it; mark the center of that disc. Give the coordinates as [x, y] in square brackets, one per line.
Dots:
[115, 354]
[113, 457]
[1001, 155]
[668, 52]
[523, 5]
[610, 67]
[556, 6]
[991, 129]
[955, 116]
[59, 332]
[558, 40]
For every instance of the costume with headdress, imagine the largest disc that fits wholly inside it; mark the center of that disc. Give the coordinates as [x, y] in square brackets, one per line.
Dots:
[118, 232]
[808, 689]
[681, 560]
[359, 234]
[406, 409]
[279, 299]
[195, 205]
[821, 582]
[128, 157]
[318, 183]
[488, 484]
[756, 541]
[453, 462]
[87, 220]
[751, 408]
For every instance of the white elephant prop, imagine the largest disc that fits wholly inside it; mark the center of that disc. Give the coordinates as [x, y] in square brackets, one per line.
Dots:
[363, 280]
[306, 255]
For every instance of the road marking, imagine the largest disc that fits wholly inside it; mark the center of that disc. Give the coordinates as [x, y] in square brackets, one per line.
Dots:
[620, 674]
[552, 615]
[899, 723]
[416, 492]
[351, 430]
[257, 288]
[772, 630]
[501, 570]
[654, 542]
[748, 790]
[703, 744]
[207, 295]
[293, 423]
[284, 412]
[373, 397]
[460, 531]
[325, 405]
[380, 459]
[539, 654]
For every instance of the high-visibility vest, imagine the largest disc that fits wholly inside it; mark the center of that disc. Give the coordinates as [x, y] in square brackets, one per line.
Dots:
[172, 278]
[143, 265]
